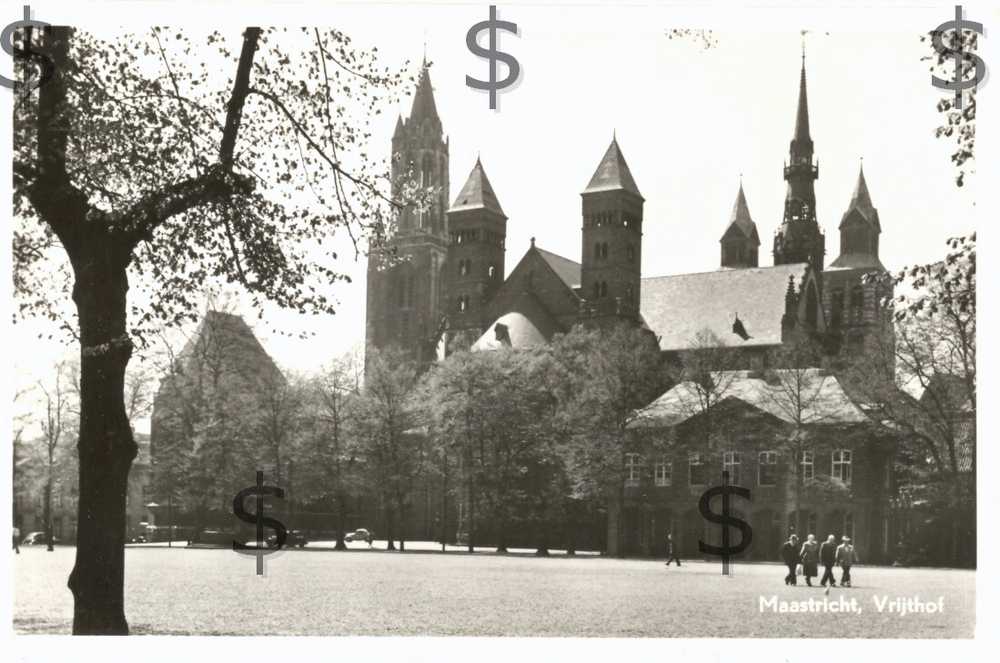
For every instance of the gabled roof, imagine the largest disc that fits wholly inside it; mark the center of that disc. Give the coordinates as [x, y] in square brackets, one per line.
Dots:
[677, 308]
[770, 392]
[567, 270]
[740, 220]
[477, 193]
[613, 173]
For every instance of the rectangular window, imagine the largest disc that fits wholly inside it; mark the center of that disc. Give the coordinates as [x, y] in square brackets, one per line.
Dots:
[767, 468]
[697, 470]
[663, 471]
[731, 464]
[848, 525]
[633, 469]
[808, 470]
[841, 465]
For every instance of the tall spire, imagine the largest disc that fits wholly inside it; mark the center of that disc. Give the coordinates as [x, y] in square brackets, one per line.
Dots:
[423, 101]
[802, 140]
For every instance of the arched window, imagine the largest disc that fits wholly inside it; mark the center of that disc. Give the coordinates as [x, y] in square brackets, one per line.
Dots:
[427, 170]
[463, 302]
[857, 303]
[463, 267]
[492, 272]
[811, 305]
[837, 307]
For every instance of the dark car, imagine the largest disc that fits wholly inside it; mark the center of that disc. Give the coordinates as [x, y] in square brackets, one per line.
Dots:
[295, 538]
[37, 539]
[218, 537]
[359, 535]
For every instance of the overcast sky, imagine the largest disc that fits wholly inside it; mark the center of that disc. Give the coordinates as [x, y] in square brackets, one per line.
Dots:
[689, 121]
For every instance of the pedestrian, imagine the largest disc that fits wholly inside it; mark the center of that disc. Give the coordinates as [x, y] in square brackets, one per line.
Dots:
[369, 539]
[17, 539]
[790, 556]
[810, 557]
[671, 552]
[828, 557]
[846, 557]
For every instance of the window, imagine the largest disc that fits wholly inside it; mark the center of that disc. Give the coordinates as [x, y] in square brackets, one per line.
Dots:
[630, 253]
[808, 470]
[463, 302]
[604, 251]
[841, 465]
[463, 267]
[492, 272]
[731, 464]
[662, 471]
[597, 250]
[767, 468]
[633, 469]
[697, 470]
[848, 529]
[857, 303]
[836, 308]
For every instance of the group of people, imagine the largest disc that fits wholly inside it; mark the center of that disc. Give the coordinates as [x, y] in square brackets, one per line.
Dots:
[811, 554]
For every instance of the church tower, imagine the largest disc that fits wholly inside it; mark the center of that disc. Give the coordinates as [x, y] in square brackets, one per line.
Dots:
[405, 295]
[740, 241]
[859, 230]
[799, 238]
[477, 230]
[612, 238]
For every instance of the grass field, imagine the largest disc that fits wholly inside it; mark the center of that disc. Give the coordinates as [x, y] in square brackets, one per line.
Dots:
[314, 592]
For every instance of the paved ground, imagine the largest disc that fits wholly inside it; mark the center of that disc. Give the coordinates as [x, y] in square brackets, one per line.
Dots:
[206, 591]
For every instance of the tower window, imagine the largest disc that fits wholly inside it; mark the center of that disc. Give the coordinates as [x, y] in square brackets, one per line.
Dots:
[492, 272]
[463, 303]
[597, 250]
[837, 308]
[857, 303]
[463, 267]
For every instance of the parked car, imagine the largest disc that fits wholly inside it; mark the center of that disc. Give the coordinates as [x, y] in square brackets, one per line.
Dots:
[295, 538]
[359, 535]
[37, 539]
[138, 538]
[218, 537]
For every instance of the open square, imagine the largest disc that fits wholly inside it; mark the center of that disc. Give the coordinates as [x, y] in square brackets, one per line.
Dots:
[316, 592]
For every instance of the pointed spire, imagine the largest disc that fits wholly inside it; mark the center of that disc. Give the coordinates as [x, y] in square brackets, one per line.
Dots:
[423, 101]
[741, 220]
[612, 173]
[477, 193]
[802, 114]
[399, 126]
[861, 201]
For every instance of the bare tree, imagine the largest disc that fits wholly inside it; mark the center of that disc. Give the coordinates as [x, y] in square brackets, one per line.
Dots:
[56, 427]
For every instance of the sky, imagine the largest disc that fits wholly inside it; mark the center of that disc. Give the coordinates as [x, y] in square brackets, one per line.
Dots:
[690, 120]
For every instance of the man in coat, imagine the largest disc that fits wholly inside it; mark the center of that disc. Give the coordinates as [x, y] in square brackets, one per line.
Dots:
[828, 558]
[790, 556]
[671, 553]
[846, 557]
[809, 556]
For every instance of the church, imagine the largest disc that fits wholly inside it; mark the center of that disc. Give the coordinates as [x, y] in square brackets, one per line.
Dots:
[450, 294]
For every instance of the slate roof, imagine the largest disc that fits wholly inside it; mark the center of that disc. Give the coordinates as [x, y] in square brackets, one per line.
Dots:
[740, 219]
[677, 308]
[827, 402]
[566, 269]
[865, 261]
[861, 201]
[423, 101]
[612, 173]
[477, 193]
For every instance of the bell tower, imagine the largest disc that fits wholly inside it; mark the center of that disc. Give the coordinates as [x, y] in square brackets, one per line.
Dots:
[799, 238]
[611, 256]
[405, 294]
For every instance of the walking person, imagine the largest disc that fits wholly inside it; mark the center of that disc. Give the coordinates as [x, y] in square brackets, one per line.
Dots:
[846, 557]
[790, 556]
[671, 553]
[828, 557]
[17, 539]
[810, 557]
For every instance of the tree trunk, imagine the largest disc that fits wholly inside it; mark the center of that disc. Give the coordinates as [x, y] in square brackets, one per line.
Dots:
[401, 510]
[47, 512]
[106, 446]
[341, 522]
[472, 520]
[389, 529]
